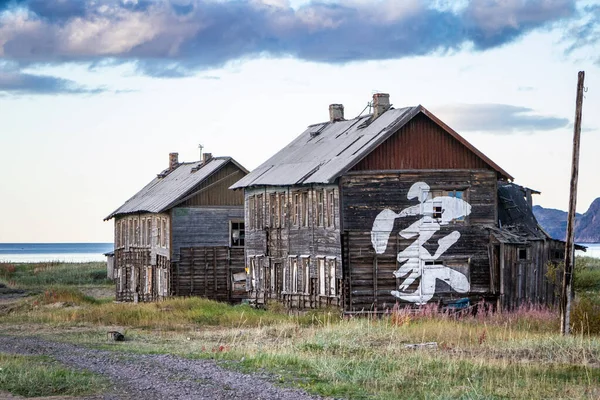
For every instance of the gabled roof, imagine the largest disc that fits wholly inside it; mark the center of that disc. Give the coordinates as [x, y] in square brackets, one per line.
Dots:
[163, 193]
[325, 151]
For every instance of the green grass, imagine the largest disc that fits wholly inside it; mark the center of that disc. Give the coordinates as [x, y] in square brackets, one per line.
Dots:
[516, 355]
[39, 275]
[34, 376]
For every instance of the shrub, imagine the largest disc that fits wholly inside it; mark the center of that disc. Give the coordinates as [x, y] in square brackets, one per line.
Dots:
[585, 314]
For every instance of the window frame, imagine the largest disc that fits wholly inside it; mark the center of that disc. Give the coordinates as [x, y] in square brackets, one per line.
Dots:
[242, 237]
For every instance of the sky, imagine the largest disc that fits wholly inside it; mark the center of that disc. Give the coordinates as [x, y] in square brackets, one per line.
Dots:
[94, 94]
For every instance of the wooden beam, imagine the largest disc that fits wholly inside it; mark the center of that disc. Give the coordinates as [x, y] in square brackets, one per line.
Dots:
[565, 300]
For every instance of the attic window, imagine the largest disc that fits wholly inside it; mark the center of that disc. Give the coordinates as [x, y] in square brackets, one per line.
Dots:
[523, 254]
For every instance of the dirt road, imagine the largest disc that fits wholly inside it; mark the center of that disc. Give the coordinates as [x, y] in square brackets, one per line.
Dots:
[151, 377]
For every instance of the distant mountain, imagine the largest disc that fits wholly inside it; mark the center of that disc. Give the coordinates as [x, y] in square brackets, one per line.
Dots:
[587, 225]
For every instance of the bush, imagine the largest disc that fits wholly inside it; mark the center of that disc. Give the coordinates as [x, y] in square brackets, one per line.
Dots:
[585, 314]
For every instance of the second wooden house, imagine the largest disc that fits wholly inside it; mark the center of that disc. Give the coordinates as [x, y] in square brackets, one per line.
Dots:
[390, 207]
[182, 234]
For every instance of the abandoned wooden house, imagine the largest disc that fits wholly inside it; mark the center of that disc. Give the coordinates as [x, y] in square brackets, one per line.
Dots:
[523, 256]
[391, 207]
[183, 234]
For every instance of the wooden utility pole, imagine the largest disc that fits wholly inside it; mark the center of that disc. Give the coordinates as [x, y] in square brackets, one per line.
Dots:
[565, 298]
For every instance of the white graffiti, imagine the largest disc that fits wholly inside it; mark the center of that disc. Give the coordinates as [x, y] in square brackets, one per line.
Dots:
[415, 260]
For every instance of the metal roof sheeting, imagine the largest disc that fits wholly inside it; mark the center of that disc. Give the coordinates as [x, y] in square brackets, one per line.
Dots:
[324, 152]
[164, 193]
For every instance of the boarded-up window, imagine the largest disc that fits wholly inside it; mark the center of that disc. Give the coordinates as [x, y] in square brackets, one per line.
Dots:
[165, 233]
[149, 232]
[273, 209]
[331, 208]
[136, 232]
[159, 232]
[322, 282]
[305, 212]
[143, 233]
[332, 277]
[306, 274]
[130, 225]
[294, 270]
[259, 212]
[252, 273]
[296, 209]
[285, 275]
[252, 212]
[327, 276]
[282, 210]
[320, 208]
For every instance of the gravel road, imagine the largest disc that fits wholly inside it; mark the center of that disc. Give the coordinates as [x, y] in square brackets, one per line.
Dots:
[151, 377]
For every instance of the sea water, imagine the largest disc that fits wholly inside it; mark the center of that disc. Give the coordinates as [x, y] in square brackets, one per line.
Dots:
[46, 252]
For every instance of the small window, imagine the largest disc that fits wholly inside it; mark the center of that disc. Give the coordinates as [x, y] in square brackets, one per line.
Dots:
[522, 254]
[143, 232]
[437, 210]
[437, 262]
[237, 234]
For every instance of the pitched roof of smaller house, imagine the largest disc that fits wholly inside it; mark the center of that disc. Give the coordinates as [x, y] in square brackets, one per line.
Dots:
[325, 151]
[170, 188]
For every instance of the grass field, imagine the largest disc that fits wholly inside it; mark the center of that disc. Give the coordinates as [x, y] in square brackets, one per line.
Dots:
[33, 376]
[503, 355]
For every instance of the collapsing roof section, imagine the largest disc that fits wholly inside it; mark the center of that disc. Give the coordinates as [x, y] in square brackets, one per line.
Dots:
[514, 213]
[325, 151]
[172, 187]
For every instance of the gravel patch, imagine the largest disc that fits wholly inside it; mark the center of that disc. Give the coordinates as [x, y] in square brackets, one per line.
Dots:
[155, 376]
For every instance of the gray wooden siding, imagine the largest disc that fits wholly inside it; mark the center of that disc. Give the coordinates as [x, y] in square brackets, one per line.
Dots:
[202, 226]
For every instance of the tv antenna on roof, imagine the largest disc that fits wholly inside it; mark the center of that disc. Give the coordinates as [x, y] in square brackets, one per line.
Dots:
[200, 147]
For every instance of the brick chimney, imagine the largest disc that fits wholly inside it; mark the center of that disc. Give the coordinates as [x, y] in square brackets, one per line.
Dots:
[173, 161]
[381, 103]
[336, 112]
[206, 157]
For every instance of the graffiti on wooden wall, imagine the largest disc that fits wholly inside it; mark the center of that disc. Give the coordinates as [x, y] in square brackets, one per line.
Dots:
[415, 261]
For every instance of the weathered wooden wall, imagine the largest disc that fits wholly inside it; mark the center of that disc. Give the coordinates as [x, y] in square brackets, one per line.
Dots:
[138, 279]
[212, 272]
[528, 281]
[214, 191]
[272, 247]
[369, 277]
[421, 144]
[202, 227]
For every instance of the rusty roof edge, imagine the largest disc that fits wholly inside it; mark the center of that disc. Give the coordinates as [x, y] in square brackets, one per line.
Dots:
[395, 126]
[464, 141]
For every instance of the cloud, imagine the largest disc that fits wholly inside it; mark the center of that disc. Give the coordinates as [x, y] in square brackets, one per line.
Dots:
[174, 38]
[585, 32]
[15, 82]
[498, 118]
